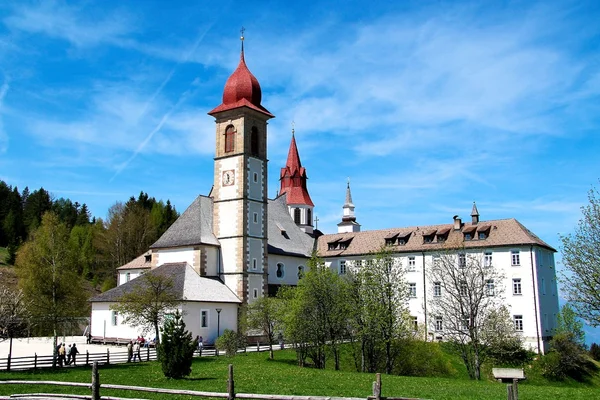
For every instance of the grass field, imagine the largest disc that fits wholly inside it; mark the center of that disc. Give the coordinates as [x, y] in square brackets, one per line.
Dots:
[254, 373]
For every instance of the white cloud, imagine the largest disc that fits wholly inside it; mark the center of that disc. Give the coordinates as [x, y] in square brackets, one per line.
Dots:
[79, 26]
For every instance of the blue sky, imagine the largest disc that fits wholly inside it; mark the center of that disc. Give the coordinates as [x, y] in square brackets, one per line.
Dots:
[426, 106]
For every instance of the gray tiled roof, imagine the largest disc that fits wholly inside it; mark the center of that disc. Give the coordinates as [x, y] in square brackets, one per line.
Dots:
[194, 226]
[504, 232]
[187, 284]
[284, 236]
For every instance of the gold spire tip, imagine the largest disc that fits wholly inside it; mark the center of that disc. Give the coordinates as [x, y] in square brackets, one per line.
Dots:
[242, 32]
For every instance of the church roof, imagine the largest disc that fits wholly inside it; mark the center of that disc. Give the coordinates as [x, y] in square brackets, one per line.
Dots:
[242, 90]
[503, 232]
[293, 178]
[194, 226]
[187, 285]
[284, 236]
[141, 262]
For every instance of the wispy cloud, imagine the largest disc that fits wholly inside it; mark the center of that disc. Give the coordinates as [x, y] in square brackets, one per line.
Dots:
[77, 25]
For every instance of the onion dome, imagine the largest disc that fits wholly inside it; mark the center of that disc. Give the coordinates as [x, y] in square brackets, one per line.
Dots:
[242, 90]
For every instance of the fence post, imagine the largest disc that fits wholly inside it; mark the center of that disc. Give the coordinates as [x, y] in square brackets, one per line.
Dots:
[95, 382]
[257, 347]
[230, 385]
[377, 387]
[509, 392]
[148, 353]
[107, 356]
[87, 358]
[35, 361]
[8, 362]
[515, 388]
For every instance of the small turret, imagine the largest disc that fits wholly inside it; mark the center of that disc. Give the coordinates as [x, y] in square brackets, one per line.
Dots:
[348, 223]
[474, 215]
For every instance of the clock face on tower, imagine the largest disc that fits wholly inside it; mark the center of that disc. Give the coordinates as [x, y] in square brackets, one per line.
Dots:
[228, 177]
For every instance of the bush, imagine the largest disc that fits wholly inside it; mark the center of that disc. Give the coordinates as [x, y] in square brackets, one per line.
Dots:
[420, 358]
[566, 359]
[228, 341]
[176, 348]
[595, 351]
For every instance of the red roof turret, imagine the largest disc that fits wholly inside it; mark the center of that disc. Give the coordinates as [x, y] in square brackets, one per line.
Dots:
[293, 178]
[242, 90]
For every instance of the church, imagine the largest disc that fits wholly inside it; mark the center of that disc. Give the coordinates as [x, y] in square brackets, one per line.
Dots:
[235, 245]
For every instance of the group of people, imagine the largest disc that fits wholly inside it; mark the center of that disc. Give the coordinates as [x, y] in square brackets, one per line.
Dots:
[67, 355]
[134, 348]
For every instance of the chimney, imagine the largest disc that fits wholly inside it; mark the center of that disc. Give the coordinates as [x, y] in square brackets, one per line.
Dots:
[457, 223]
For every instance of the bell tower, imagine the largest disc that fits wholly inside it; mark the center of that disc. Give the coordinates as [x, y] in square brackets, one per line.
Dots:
[240, 184]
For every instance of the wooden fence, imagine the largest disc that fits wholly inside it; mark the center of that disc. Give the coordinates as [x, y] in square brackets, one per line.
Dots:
[96, 386]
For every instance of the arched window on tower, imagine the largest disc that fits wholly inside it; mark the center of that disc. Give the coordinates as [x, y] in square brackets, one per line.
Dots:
[254, 141]
[297, 215]
[308, 217]
[229, 139]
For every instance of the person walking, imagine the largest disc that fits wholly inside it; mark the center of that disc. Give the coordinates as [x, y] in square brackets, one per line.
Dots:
[129, 351]
[136, 351]
[61, 354]
[68, 354]
[73, 354]
[200, 345]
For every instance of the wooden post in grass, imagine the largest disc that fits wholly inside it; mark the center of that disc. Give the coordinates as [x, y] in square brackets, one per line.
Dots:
[257, 346]
[8, 362]
[95, 382]
[515, 388]
[230, 384]
[35, 361]
[509, 392]
[87, 358]
[107, 356]
[377, 387]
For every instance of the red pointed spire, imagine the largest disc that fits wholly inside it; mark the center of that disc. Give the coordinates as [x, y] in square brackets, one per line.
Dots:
[293, 178]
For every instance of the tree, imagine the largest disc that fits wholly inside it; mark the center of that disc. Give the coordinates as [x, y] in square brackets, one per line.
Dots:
[48, 276]
[262, 314]
[567, 323]
[581, 258]
[14, 314]
[176, 349]
[464, 295]
[379, 309]
[315, 314]
[145, 304]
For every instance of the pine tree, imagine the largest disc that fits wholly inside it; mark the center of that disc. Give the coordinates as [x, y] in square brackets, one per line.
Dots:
[176, 348]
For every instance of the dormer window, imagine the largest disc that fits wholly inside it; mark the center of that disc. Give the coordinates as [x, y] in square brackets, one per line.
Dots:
[469, 232]
[468, 236]
[428, 239]
[442, 235]
[483, 232]
[148, 258]
[482, 236]
[339, 244]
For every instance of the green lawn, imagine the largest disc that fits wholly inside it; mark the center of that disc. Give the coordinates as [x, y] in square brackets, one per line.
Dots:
[254, 373]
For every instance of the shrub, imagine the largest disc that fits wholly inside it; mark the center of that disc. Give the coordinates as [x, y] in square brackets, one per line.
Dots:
[595, 351]
[419, 358]
[228, 341]
[566, 359]
[176, 348]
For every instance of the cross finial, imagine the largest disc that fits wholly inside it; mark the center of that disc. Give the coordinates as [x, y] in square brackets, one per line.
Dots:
[316, 222]
[242, 32]
[293, 127]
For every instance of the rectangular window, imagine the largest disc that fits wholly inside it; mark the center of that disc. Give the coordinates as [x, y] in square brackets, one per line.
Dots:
[465, 323]
[254, 263]
[490, 288]
[487, 259]
[415, 323]
[412, 290]
[437, 289]
[439, 324]
[412, 263]
[255, 177]
[482, 236]
[114, 318]
[515, 257]
[462, 260]
[204, 319]
[463, 288]
[255, 217]
[127, 277]
[517, 286]
[342, 267]
[436, 261]
[467, 236]
[518, 319]
[255, 293]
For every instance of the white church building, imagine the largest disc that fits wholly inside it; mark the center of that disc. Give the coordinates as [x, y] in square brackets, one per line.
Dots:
[236, 245]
